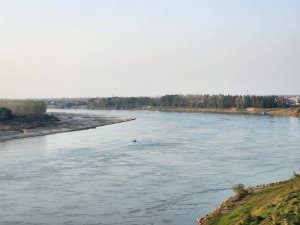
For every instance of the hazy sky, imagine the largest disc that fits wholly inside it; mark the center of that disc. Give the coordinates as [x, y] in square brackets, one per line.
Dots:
[73, 48]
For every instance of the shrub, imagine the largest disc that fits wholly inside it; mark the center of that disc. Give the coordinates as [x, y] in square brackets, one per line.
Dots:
[5, 113]
[25, 107]
[296, 175]
[239, 189]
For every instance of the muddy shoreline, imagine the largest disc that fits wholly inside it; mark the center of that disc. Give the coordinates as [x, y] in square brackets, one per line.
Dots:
[67, 122]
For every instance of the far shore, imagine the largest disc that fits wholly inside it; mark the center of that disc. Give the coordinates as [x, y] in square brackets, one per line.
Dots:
[66, 122]
[295, 112]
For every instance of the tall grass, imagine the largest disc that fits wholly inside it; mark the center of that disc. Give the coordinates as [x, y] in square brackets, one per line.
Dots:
[25, 107]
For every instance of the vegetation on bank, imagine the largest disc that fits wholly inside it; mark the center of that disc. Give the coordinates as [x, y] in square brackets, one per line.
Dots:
[178, 101]
[5, 114]
[20, 115]
[18, 108]
[277, 203]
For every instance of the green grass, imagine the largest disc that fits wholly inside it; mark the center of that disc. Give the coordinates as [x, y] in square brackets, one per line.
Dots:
[279, 204]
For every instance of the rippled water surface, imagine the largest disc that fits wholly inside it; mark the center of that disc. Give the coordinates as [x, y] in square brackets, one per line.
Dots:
[181, 167]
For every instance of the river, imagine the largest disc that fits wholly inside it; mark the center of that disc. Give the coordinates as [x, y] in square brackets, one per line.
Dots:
[181, 166]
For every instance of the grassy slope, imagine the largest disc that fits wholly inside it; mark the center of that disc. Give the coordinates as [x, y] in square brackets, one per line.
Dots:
[279, 204]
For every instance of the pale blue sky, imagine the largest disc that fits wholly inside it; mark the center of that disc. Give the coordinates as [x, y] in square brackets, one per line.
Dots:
[71, 48]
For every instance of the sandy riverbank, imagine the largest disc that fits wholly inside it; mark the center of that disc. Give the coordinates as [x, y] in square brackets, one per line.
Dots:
[247, 111]
[66, 123]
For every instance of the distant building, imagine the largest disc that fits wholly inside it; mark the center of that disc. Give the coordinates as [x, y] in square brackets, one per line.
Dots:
[294, 100]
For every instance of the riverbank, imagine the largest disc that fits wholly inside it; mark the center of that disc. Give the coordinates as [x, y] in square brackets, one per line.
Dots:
[56, 123]
[294, 112]
[274, 203]
[247, 111]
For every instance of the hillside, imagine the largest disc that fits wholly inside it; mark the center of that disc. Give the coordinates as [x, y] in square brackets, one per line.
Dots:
[277, 203]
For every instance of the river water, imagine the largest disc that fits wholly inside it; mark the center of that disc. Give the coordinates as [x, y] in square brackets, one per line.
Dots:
[182, 166]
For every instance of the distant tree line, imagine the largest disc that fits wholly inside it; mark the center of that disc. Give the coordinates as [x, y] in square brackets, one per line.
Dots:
[122, 102]
[66, 103]
[188, 101]
[30, 108]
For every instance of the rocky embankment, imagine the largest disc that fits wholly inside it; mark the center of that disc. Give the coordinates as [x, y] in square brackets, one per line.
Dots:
[56, 123]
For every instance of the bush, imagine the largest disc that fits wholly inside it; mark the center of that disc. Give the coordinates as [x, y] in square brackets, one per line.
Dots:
[296, 175]
[239, 189]
[5, 113]
[25, 107]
